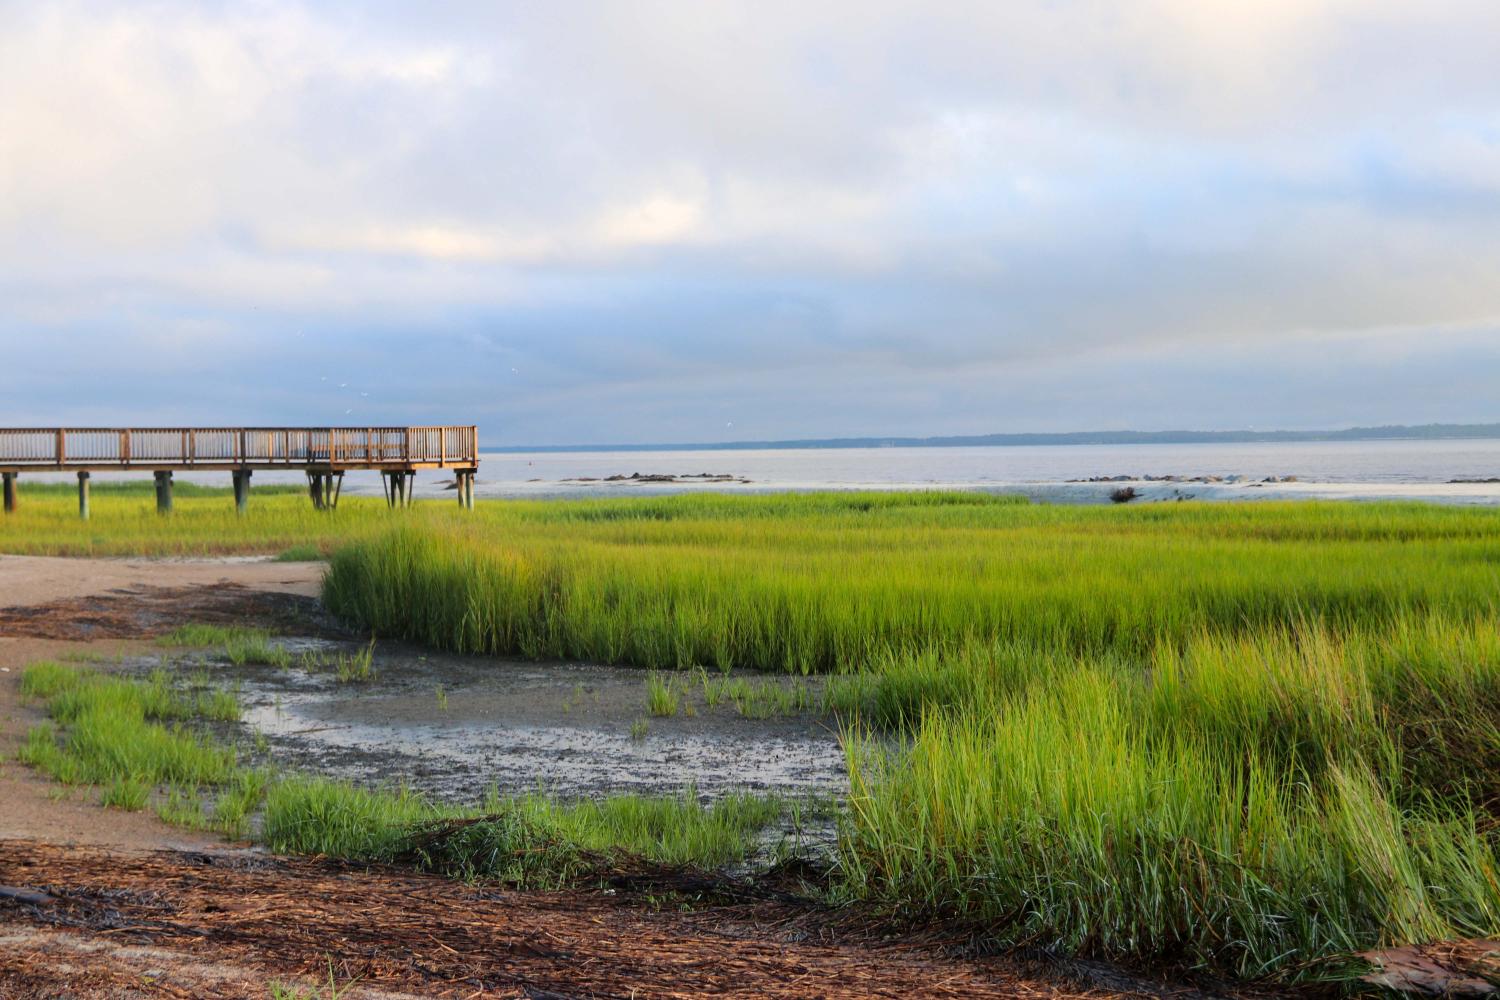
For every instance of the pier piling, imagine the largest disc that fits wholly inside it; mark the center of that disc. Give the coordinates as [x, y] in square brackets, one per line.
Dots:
[241, 490]
[398, 488]
[163, 491]
[10, 491]
[83, 495]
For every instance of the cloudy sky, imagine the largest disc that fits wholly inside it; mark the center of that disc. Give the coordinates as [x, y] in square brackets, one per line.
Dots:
[696, 221]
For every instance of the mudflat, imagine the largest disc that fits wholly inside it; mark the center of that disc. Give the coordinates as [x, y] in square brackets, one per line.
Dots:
[97, 902]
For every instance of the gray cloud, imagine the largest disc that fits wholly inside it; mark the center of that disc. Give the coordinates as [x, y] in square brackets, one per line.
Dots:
[619, 221]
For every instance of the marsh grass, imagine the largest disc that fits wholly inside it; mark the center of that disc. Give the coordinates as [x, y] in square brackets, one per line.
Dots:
[530, 840]
[240, 646]
[1246, 738]
[128, 794]
[130, 737]
[1247, 801]
[116, 731]
[356, 666]
[802, 586]
[125, 523]
[1249, 738]
[348, 667]
[663, 697]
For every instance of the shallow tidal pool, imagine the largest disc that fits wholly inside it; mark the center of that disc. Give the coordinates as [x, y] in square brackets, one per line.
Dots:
[454, 727]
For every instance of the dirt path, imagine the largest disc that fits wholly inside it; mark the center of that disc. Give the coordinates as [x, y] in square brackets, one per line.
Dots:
[53, 608]
[98, 903]
[31, 580]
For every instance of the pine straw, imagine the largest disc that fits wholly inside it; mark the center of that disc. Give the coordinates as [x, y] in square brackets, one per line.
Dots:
[396, 931]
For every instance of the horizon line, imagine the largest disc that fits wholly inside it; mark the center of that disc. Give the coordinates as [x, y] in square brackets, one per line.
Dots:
[1381, 432]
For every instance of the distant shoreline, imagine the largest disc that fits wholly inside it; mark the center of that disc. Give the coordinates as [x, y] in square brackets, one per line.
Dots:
[1395, 432]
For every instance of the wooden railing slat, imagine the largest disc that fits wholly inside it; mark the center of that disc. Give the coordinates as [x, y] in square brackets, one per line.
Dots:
[122, 447]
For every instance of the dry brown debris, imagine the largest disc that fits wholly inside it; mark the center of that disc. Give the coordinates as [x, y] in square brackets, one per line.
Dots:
[265, 919]
[146, 612]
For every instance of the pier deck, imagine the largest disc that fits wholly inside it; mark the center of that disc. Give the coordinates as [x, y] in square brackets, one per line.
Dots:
[324, 453]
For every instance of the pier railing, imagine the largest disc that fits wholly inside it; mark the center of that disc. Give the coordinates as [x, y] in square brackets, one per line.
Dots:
[336, 448]
[324, 453]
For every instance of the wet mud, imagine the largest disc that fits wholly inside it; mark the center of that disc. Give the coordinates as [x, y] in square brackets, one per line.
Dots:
[455, 727]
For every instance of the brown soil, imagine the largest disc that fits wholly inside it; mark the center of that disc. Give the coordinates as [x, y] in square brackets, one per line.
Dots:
[263, 919]
[133, 908]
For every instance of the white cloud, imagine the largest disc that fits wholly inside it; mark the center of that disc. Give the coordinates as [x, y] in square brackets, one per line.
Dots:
[964, 183]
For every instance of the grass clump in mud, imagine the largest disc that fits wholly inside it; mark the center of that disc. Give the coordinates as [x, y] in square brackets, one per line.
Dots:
[528, 840]
[347, 667]
[116, 732]
[240, 646]
[662, 695]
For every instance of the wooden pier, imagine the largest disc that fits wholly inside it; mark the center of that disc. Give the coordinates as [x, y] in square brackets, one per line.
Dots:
[323, 453]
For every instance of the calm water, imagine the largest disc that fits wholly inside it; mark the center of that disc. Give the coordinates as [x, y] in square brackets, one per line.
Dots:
[1417, 469]
[1364, 469]
[1355, 462]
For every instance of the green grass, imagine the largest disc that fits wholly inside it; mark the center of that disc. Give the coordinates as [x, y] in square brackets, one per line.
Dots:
[330, 990]
[306, 552]
[129, 794]
[240, 646]
[1166, 817]
[822, 588]
[357, 666]
[200, 634]
[126, 524]
[528, 840]
[116, 732]
[1247, 738]
[662, 695]
[112, 732]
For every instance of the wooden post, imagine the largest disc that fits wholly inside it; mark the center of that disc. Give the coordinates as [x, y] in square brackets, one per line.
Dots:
[408, 480]
[335, 487]
[241, 490]
[163, 491]
[315, 489]
[10, 492]
[83, 495]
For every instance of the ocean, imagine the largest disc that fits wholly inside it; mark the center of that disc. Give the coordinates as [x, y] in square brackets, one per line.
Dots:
[1416, 470]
